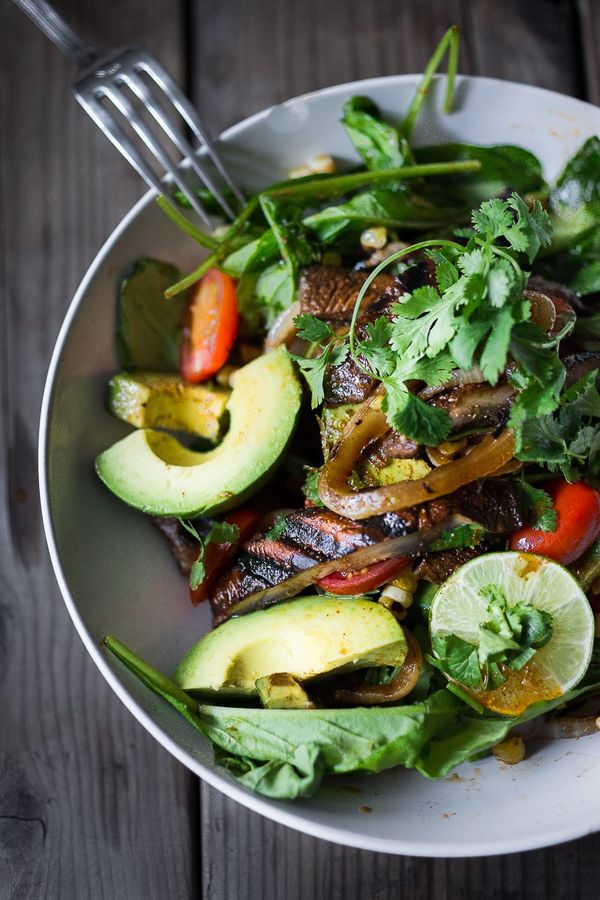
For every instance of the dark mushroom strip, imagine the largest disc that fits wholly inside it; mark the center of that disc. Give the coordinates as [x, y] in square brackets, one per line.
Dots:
[476, 406]
[414, 544]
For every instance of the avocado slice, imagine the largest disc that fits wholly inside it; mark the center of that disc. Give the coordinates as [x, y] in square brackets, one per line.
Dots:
[159, 400]
[282, 691]
[148, 332]
[305, 638]
[152, 471]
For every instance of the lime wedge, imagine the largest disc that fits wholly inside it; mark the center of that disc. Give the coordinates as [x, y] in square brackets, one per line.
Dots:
[459, 608]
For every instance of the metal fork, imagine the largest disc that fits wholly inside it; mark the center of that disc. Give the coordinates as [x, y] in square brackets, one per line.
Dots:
[105, 84]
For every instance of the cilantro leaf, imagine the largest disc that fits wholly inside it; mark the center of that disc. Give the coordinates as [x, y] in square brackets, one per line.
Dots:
[310, 328]
[457, 659]
[413, 417]
[314, 369]
[310, 488]
[540, 510]
[534, 224]
[375, 347]
[568, 439]
[508, 638]
[218, 533]
[459, 537]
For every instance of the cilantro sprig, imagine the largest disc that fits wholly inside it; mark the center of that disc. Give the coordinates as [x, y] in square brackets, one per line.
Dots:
[568, 439]
[218, 533]
[508, 638]
[476, 314]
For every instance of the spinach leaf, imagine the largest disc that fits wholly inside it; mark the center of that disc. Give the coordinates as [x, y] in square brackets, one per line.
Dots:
[394, 208]
[470, 733]
[575, 199]
[148, 332]
[285, 753]
[504, 168]
[380, 145]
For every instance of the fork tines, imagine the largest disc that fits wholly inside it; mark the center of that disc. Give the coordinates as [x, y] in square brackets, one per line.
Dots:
[131, 78]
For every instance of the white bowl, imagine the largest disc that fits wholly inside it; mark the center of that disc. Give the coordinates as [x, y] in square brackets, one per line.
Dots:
[117, 576]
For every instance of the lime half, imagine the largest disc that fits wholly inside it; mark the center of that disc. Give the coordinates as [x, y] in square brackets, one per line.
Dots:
[459, 607]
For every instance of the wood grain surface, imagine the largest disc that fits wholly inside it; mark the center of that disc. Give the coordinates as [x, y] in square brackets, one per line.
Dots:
[90, 805]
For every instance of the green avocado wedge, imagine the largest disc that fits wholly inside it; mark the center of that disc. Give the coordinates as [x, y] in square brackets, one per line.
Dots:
[305, 638]
[151, 471]
[161, 400]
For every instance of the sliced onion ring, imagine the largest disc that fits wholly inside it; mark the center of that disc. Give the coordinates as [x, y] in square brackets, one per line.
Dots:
[367, 425]
[396, 689]
[283, 330]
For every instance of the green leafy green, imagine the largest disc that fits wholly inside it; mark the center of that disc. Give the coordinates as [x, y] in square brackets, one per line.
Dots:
[567, 440]
[459, 537]
[504, 168]
[310, 488]
[380, 145]
[541, 514]
[218, 533]
[148, 333]
[508, 637]
[286, 753]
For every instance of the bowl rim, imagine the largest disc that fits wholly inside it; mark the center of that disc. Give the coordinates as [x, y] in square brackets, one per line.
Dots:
[255, 802]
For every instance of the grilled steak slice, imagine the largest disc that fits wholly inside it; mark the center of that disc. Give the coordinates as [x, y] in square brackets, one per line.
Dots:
[437, 567]
[330, 292]
[310, 536]
[183, 546]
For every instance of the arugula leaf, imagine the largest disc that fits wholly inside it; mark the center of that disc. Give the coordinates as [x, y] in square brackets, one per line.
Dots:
[541, 513]
[380, 145]
[218, 533]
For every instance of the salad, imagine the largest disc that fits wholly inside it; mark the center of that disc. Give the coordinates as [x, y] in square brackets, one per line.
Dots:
[368, 427]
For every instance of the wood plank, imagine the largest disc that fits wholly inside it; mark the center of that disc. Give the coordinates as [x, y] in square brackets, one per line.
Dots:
[246, 56]
[90, 805]
[589, 29]
[536, 42]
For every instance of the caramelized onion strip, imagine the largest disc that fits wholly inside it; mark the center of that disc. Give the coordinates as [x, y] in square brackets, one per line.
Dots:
[396, 689]
[492, 454]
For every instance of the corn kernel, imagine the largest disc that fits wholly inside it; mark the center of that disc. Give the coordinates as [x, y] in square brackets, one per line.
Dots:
[374, 238]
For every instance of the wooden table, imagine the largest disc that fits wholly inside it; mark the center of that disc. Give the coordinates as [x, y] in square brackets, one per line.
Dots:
[90, 805]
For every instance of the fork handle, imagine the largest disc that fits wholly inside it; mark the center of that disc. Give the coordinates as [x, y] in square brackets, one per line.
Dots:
[55, 28]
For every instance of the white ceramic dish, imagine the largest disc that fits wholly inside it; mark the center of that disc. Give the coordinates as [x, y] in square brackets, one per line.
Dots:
[117, 576]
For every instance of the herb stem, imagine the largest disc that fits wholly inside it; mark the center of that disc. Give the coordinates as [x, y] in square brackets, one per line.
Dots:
[153, 679]
[448, 42]
[328, 186]
[218, 254]
[205, 240]
[422, 245]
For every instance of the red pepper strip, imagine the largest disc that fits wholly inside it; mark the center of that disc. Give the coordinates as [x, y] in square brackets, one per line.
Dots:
[578, 508]
[365, 579]
[216, 556]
